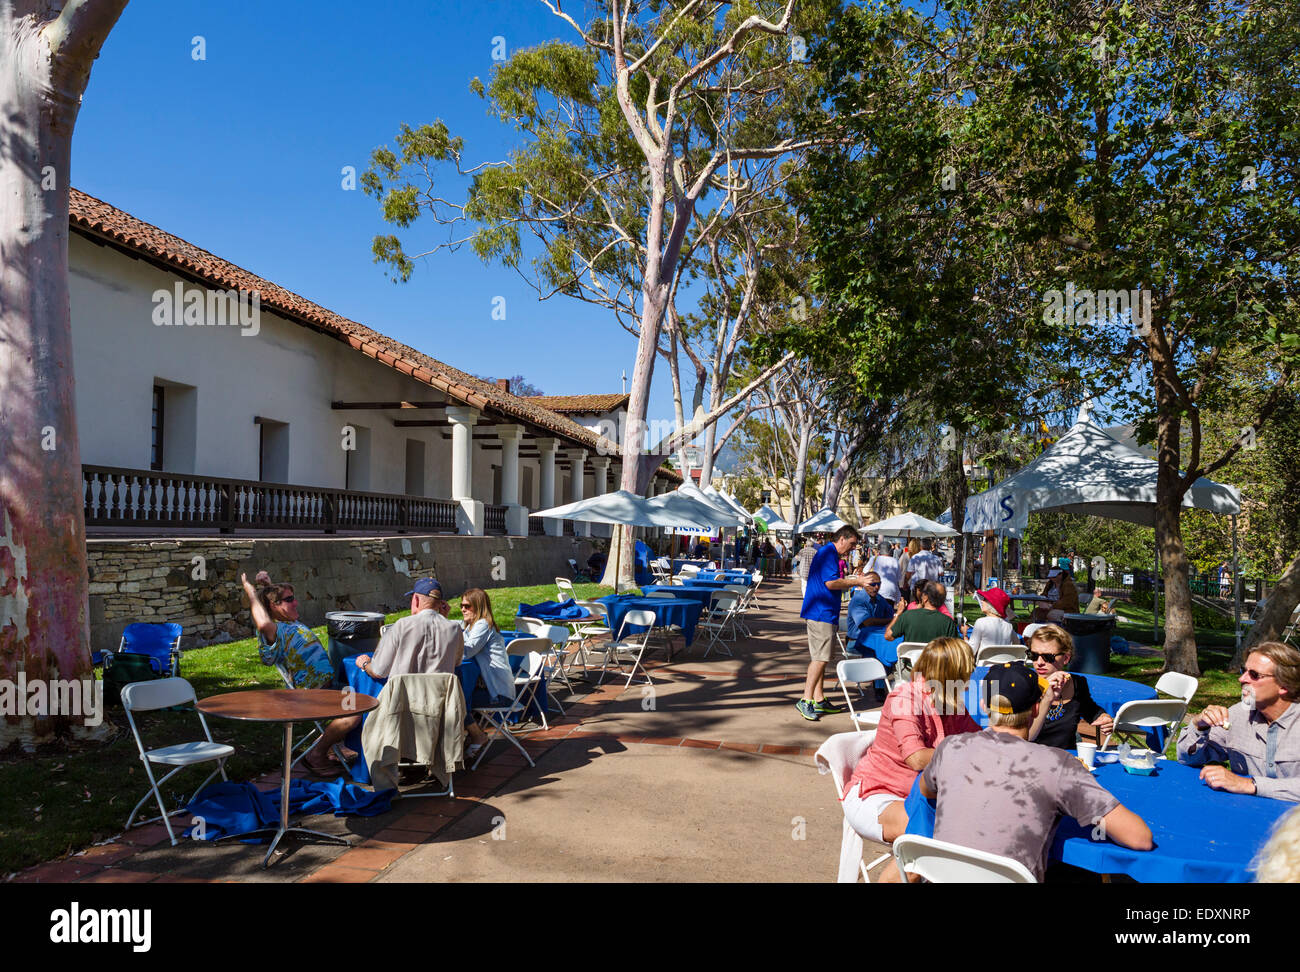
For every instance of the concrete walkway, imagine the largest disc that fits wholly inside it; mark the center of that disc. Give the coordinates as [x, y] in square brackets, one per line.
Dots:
[707, 775]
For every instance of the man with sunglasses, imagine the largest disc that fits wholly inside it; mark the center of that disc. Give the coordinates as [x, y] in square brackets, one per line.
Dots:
[867, 609]
[1257, 737]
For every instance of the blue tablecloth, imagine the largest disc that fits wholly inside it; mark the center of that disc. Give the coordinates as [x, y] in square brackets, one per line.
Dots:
[560, 611]
[741, 577]
[872, 644]
[468, 672]
[700, 594]
[681, 612]
[1201, 835]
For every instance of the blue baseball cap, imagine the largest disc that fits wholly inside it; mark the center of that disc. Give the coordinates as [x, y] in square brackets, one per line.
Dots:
[427, 587]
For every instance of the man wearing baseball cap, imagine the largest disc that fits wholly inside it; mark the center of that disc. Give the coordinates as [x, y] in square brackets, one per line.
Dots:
[1020, 790]
[424, 641]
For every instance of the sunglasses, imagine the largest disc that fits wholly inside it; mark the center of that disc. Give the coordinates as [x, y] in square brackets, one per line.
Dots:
[1255, 676]
[287, 600]
[1044, 656]
[872, 584]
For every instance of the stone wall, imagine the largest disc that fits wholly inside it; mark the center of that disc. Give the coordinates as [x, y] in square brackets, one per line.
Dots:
[195, 582]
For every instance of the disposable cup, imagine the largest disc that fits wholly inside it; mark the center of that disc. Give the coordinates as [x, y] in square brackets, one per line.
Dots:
[1088, 753]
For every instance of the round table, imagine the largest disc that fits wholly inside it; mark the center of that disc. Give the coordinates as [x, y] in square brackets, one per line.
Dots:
[287, 706]
[667, 611]
[1201, 835]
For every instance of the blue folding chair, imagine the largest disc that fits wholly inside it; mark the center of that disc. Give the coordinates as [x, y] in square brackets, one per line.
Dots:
[159, 642]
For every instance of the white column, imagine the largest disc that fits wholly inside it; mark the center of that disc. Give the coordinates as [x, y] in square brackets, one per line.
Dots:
[469, 519]
[546, 486]
[600, 467]
[516, 512]
[578, 471]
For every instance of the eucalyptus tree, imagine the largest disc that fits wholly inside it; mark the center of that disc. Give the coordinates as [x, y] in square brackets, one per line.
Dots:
[629, 136]
[46, 52]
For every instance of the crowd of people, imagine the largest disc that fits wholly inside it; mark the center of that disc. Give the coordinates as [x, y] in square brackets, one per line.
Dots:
[1020, 770]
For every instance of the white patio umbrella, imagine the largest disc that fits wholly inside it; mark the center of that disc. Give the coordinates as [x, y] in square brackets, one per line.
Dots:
[620, 508]
[823, 521]
[910, 525]
[701, 504]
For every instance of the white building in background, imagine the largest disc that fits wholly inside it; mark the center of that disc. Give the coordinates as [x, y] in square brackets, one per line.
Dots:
[191, 371]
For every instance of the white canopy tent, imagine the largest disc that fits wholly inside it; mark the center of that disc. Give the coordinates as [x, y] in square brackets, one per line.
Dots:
[909, 525]
[772, 520]
[698, 513]
[1089, 472]
[823, 521]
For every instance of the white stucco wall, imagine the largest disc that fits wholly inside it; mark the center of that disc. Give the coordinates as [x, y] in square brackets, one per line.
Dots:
[285, 372]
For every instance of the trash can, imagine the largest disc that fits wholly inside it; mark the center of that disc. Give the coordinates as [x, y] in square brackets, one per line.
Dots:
[1091, 634]
[351, 633]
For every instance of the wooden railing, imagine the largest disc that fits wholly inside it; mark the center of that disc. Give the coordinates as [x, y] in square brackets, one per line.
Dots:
[494, 519]
[536, 526]
[142, 498]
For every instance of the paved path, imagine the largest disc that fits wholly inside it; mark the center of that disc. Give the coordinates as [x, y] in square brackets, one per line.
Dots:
[705, 776]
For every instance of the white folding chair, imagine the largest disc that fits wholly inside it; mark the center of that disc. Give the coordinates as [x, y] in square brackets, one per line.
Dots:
[999, 654]
[1137, 717]
[1178, 685]
[586, 629]
[745, 595]
[564, 589]
[838, 756]
[665, 631]
[164, 693]
[558, 636]
[861, 671]
[940, 862]
[317, 730]
[716, 618]
[626, 644]
[908, 653]
[496, 718]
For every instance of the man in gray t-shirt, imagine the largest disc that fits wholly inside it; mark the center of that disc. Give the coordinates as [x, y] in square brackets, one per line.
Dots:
[999, 793]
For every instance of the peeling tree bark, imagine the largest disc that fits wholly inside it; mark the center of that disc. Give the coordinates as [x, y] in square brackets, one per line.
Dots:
[44, 594]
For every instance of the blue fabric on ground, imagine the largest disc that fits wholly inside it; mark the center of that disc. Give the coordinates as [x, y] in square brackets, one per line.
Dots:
[237, 808]
[643, 573]
[1118, 645]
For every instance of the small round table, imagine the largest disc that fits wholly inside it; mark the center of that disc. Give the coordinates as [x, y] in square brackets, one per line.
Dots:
[287, 706]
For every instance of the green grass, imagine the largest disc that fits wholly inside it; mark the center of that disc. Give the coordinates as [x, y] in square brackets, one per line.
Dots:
[67, 795]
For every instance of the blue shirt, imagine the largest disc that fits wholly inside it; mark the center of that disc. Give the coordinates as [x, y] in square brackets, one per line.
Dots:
[863, 606]
[297, 648]
[819, 602]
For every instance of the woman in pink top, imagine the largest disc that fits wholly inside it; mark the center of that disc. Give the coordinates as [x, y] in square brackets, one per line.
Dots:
[913, 720]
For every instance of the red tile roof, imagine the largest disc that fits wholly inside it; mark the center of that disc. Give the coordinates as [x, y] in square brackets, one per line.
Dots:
[97, 220]
[580, 403]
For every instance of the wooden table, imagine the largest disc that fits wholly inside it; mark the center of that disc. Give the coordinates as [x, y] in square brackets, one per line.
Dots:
[287, 706]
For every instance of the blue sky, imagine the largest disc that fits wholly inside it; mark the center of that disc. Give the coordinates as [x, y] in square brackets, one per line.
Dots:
[241, 154]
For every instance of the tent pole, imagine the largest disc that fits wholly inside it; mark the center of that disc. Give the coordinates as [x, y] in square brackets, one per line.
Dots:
[1236, 589]
[961, 578]
[618, 550]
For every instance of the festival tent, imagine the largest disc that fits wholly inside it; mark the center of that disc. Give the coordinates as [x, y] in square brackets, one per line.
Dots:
[772, 520]
[698, 513]
[909, 525]
[823, 521]
[1089, 472]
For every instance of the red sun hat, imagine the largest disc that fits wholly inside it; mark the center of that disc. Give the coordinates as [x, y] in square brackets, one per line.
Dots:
[997, 597]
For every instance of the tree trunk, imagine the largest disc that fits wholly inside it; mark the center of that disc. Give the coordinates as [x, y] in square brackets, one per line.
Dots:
[1275, 617]
[1180, 631]
[44, 592]
[800, 475]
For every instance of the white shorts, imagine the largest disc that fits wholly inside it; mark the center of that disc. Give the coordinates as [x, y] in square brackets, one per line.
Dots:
[803, 586]
[863, 815]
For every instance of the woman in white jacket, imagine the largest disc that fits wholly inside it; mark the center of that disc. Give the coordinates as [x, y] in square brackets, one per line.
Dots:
[992, 627]
[483, 643]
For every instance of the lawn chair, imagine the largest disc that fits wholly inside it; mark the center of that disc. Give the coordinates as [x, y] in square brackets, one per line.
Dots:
[579, 574]
[564, 589]
[146, 651]
[838, 756]
[999, 654]
[165, 694]
[627, 644]
[1141, 716]
[861, 671]
[496, 718]
[317, 730]
[940, 862]
[716, 618]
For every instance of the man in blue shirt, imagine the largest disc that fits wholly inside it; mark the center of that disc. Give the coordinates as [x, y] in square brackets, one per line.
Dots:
[867, 609]
[821, 611]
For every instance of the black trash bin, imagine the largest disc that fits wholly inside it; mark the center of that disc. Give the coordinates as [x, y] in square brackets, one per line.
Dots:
[351, 633]
[1091, 634]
